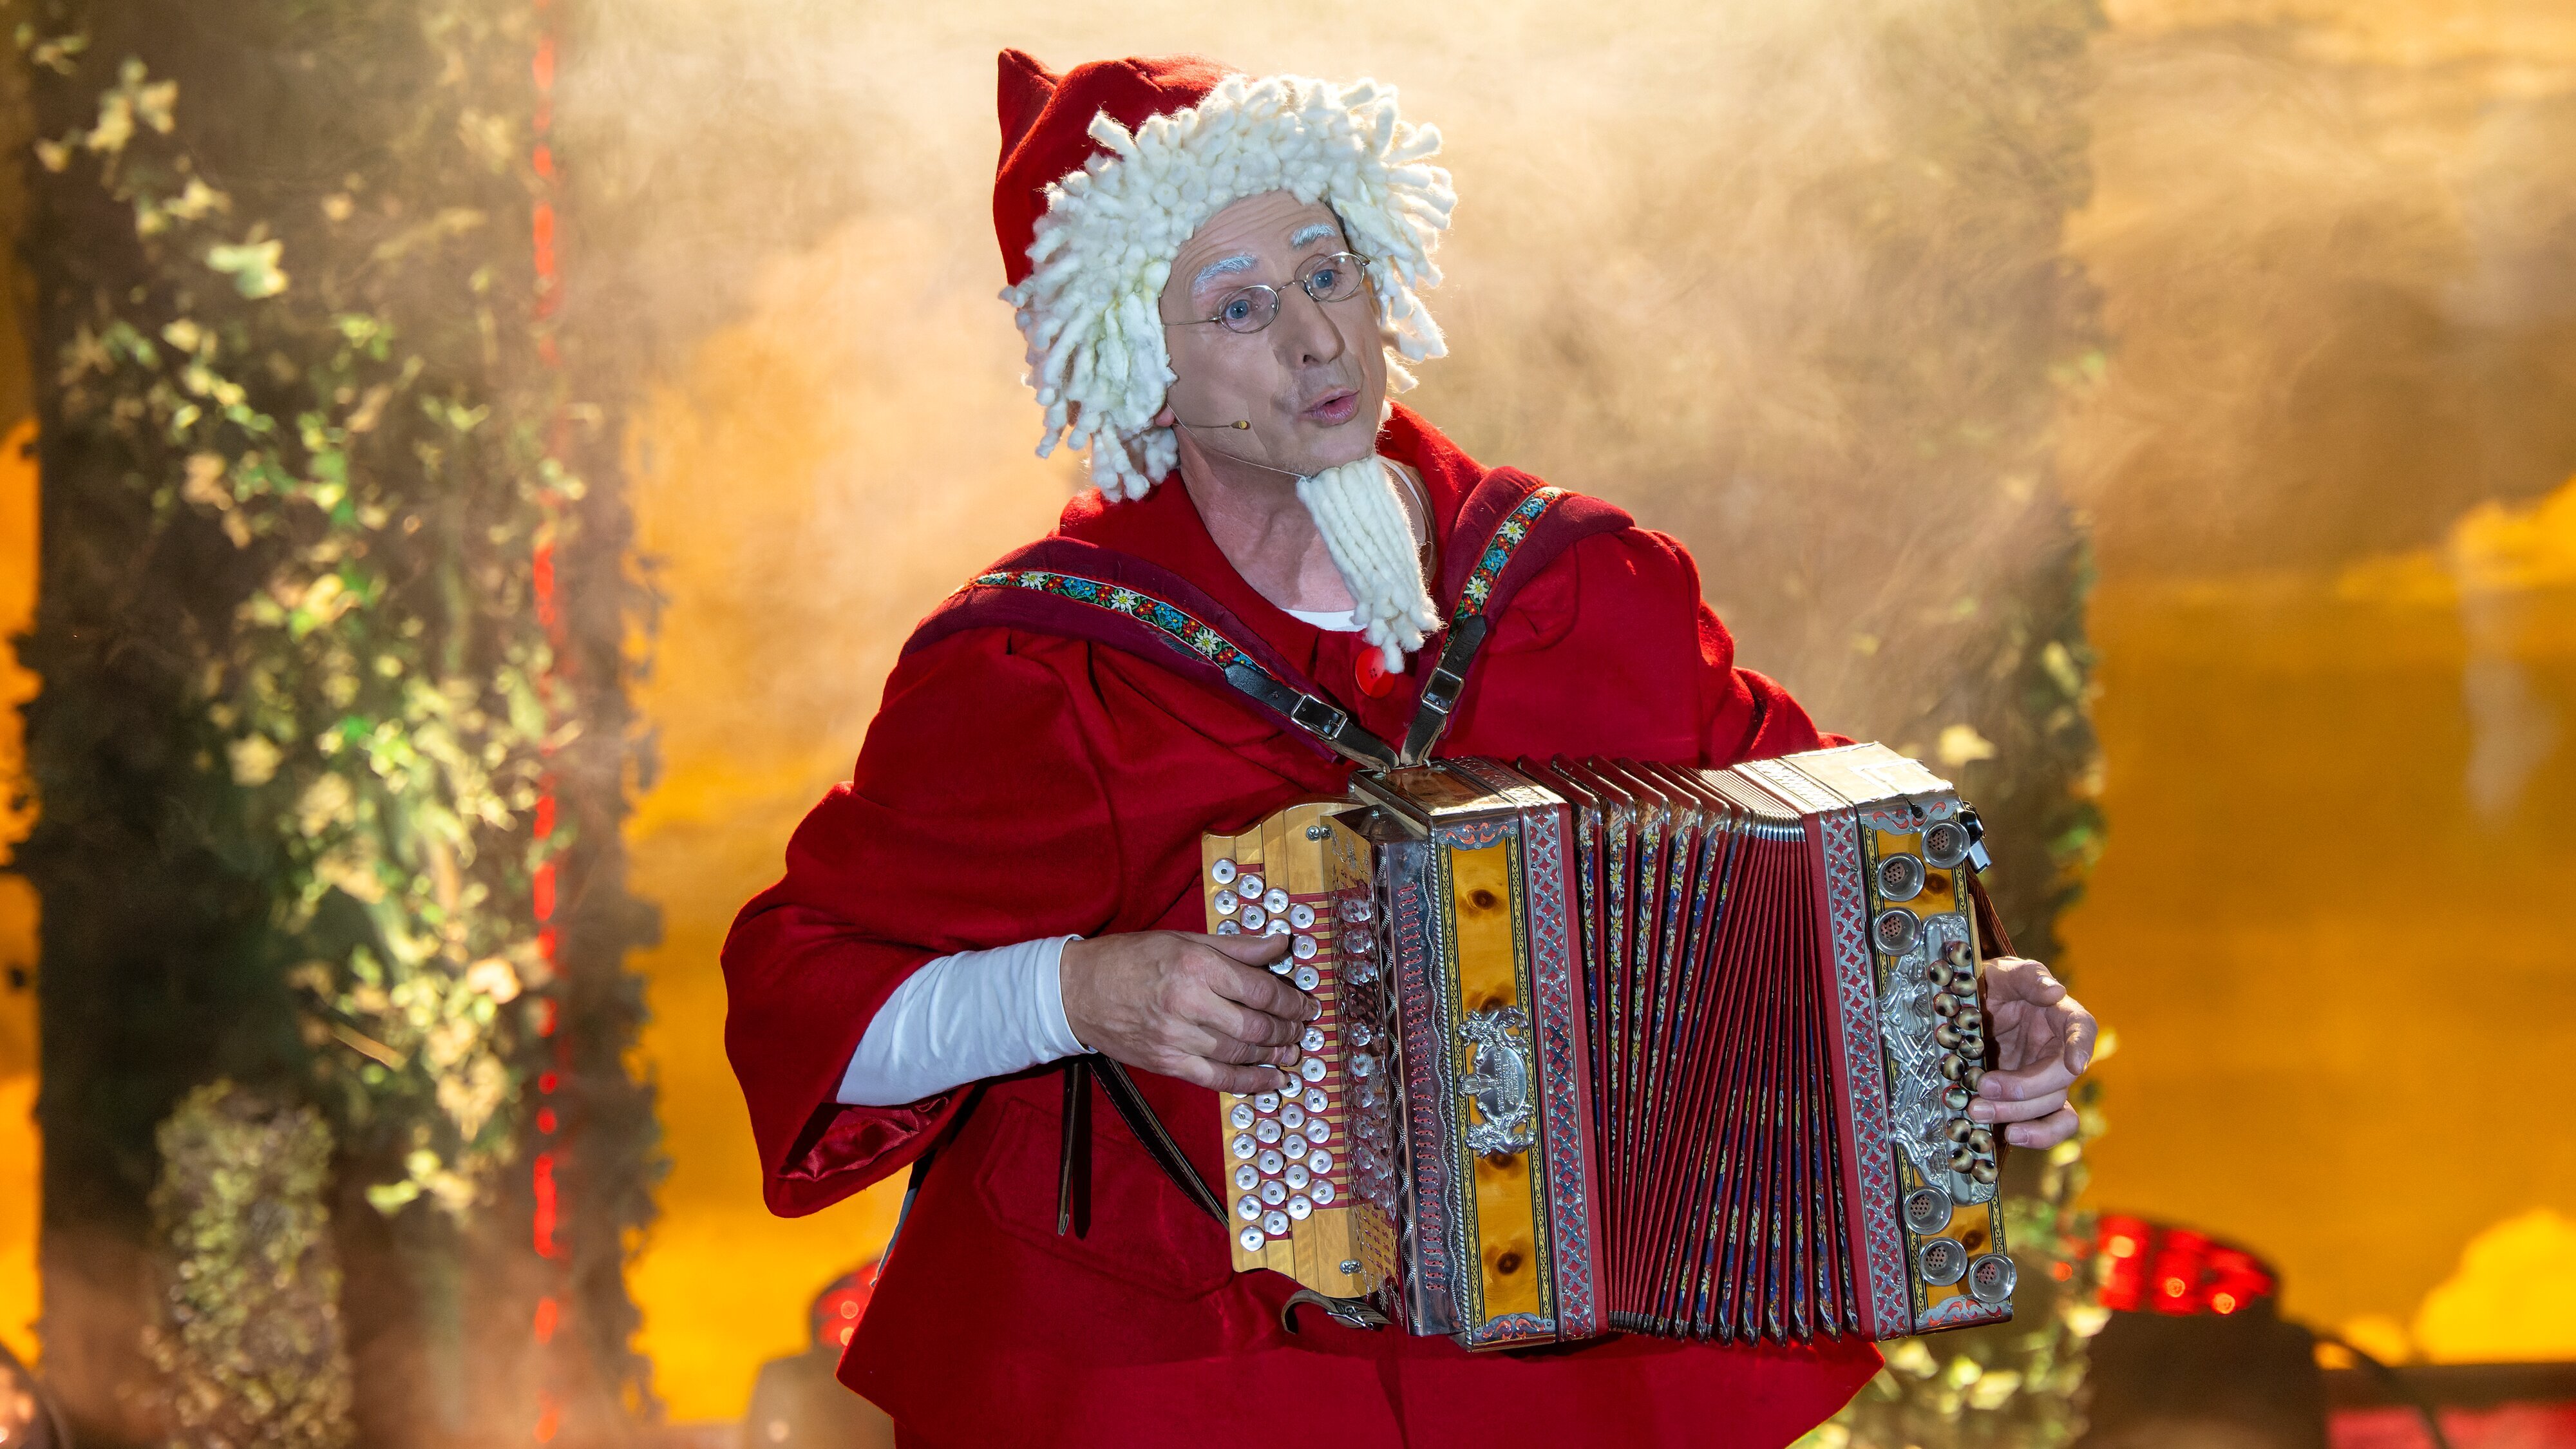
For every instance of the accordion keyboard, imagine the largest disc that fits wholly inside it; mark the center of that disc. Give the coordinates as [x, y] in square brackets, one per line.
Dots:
[1287, 1158]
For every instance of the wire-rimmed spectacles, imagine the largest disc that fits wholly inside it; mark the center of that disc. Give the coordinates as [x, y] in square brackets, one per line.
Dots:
[1337, 277]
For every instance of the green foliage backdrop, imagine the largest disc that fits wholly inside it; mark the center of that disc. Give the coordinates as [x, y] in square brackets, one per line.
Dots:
[307, 432]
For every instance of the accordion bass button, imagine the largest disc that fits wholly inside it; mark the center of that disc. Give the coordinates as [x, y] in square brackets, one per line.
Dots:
[1952, 1068]
[1323, 1196]
[1900, 877]
[1944, 1004]
[1956, 1099]
[1985, 1171]
[1959, 1130]
[1297, 1177]
[1247, 1177]
[1312, 1069]
[1248, 1208]
[1222, 872]
[1941, 1262]
[1229, 928]
[1947, 1035]
[1245, 1147]
[1265, 1102]
[1303, 948]
[1248, 886]
[1301, 915]
[1962, 1160]
[1991, 1278]
[1320, 1162]
[1277, 927]
[1275, 1223]
[1292, 1115]
[1275, 900]
[1308, 978]
[1897, 930]
[1971, 1076]
[1271, 1162]
[1299, 1208]
[1267, 1129]
[1254, 917]
[1250, 1239]
[1317, 1129]
[1273, 1193]
[1981, 1142]
[1315, 1099]
[1295, 1146]
[1223, 903]
[1313, 1040]
[1241, 1115]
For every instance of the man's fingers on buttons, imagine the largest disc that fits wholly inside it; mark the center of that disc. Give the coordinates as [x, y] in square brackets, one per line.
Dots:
[1265, 992]
[1987, 1109]
[2048, 1131]
[2048, 1079]
[1249, 950]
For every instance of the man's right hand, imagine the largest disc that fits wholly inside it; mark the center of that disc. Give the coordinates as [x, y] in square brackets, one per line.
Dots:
[1201, 1008]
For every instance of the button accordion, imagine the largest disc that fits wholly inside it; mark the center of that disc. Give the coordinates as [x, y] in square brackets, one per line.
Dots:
[1611, 1046]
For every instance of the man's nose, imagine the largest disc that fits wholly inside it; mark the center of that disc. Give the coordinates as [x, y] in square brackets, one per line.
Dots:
[1311, 333]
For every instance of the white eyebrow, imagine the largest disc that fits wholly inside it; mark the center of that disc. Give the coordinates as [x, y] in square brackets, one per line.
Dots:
[1313, 231]
[1239, 262]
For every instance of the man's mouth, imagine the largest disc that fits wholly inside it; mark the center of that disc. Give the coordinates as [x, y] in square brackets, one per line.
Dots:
[1334, 408]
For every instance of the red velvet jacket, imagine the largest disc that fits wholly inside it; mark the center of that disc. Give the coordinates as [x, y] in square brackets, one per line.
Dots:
[1018, 784]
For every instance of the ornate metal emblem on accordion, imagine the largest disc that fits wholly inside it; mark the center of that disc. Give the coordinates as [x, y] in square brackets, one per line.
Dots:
[1623, 1047]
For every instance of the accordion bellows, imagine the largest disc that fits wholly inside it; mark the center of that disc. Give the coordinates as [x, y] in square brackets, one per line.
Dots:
[1611, 1046]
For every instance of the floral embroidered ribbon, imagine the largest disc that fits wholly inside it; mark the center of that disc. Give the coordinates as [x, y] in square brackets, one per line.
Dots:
[1192, 635]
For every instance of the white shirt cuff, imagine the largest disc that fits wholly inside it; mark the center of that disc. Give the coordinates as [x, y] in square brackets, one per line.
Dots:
[961, 1019]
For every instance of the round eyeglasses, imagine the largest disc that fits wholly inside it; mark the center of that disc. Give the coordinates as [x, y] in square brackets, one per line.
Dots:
[1334, 278]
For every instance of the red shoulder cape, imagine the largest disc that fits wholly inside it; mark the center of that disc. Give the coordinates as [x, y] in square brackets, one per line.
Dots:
[1018, 783]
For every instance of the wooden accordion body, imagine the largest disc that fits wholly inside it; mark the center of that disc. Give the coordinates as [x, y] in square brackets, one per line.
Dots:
[1622, 1047]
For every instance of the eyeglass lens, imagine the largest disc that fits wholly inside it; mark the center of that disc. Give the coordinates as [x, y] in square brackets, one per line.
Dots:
[1334, 278]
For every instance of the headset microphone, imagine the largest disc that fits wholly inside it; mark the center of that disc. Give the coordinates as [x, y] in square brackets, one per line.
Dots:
[1246, 425]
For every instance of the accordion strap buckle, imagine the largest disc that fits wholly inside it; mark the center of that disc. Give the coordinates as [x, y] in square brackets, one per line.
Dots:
[1356, 1313]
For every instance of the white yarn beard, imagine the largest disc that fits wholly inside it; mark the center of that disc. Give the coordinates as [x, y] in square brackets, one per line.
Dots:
[1370, 538]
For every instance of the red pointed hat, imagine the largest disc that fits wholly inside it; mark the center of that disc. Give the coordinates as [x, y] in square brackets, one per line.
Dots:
[1046, 128]
[1108, 169]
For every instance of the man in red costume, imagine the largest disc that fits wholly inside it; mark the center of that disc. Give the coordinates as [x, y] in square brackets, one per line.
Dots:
[1219, 280]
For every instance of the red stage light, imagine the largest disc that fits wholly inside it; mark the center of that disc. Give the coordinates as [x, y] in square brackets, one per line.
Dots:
[2191, 1272]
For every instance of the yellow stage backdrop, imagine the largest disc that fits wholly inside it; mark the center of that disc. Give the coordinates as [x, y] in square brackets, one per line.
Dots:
[2336, 659]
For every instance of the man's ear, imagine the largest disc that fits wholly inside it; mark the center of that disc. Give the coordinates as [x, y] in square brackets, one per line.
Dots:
[1164, 418]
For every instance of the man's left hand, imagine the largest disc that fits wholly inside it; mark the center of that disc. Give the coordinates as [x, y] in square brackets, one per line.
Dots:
[2043, 1042]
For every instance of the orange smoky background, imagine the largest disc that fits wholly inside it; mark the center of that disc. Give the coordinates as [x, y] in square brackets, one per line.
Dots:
[2319, 427]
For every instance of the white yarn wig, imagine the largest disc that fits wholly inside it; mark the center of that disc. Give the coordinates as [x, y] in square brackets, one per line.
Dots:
[1105, 246]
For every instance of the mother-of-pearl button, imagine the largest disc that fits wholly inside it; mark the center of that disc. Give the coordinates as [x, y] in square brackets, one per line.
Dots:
[1222, 872]
[1301, 915]
[1276, 900]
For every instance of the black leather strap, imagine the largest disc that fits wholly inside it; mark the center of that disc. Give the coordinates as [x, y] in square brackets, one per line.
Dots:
[1140, 1119]
[1325, 721]
[1073, 1166]
[1441, 689]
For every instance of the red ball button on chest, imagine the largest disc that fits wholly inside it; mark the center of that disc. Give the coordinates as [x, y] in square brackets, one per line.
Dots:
[1369, 669]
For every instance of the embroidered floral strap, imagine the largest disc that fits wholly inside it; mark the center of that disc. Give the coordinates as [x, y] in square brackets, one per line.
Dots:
[1499, 549]
[1468, 625]
[1191, 635]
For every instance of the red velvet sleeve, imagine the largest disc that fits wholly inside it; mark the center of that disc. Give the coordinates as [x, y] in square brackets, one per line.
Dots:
[974, 819]
[1743, 715]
